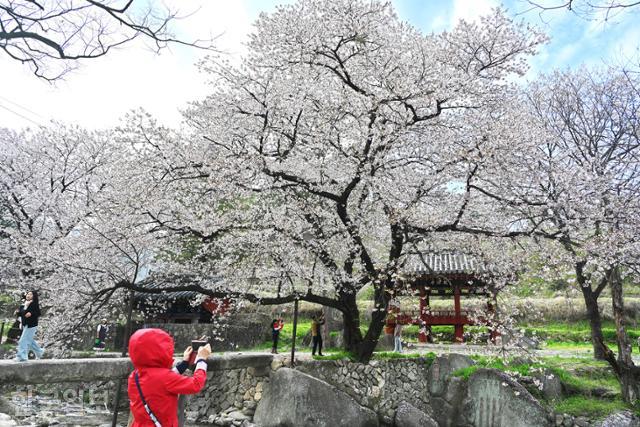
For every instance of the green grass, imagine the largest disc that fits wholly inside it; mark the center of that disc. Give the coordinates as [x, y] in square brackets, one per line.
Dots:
[394, 355]
[499, 364]
[575, 332]
[590, 407]
[336, 354]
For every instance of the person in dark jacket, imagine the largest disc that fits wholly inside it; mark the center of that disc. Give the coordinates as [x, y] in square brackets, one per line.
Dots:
[154, 386]
[29, 313]
[316, 334]
[276, 327]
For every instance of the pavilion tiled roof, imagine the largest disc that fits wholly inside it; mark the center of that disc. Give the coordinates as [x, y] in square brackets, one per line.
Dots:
[160, 282]
[442, 263]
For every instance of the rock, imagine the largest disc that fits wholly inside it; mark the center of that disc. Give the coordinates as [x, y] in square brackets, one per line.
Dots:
[551, 385]
[582, 422]
[6, 421]
[385, 342]
[293, 398]
[277, 363]
[621, 419]
[6, 407]
[441, 370]
[237, 415]
[603, 393]
[494, 399]
[442, 411]
[511, 339]
[408, 415]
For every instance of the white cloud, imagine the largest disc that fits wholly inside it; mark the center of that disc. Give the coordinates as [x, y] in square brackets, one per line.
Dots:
[471, 10]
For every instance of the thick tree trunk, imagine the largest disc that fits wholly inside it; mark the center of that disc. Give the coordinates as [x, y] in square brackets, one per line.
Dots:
[361, 346]
[628, 373]
[593, 313]
[595, 321]
[351, 333]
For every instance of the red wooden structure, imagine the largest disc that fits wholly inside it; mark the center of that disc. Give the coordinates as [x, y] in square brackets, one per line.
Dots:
[446, 275]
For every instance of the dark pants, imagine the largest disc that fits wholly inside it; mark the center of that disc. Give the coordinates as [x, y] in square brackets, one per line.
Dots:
[317, 343]
[275, 337]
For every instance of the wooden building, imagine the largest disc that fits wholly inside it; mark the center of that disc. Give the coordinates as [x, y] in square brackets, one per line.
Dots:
[177, 307]
[446, 275]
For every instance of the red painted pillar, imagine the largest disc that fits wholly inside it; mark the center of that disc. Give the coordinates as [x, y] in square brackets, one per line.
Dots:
[424, 304]
[459, 327]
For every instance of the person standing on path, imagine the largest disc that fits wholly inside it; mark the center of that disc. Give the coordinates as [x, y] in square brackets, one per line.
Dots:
[397, 338]
[276, 327]
[29, 314]
[316, 334]
[101, 335]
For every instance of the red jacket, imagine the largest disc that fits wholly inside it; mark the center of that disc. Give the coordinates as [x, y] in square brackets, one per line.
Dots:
[151, 352]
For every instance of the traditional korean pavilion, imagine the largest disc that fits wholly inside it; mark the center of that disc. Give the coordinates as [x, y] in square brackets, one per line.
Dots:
[445, 275]
[177, 307]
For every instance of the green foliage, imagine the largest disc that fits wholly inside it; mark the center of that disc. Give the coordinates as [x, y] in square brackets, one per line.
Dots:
[366, 294]
[7, 347]
[6, 299]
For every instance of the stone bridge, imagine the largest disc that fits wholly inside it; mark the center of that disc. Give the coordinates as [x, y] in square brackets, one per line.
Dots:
[50, 371]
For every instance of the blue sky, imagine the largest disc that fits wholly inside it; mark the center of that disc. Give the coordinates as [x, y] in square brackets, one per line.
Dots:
[574, 41]
[98, 94]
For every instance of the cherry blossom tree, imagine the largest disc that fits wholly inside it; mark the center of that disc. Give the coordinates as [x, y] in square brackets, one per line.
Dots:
[67, 221]
[345, 141]
[581, 189]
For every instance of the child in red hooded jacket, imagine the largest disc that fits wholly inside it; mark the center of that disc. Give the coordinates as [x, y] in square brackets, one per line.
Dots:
[151, 351]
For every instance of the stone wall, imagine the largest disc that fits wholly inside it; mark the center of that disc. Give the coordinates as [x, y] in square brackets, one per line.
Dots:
[231, 395]
[380, 385]
[237, 332]
[234, 386]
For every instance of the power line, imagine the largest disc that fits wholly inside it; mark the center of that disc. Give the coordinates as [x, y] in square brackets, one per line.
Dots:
[18, 114]
[20, 106]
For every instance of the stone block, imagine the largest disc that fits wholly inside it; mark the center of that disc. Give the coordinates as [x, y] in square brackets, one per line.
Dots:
[297, 399]
[408, 415]
[493, 399]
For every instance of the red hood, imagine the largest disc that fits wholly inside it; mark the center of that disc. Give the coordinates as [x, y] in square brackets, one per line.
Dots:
[151, 348]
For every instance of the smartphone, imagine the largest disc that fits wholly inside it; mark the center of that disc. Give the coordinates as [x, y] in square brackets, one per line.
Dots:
[195, 345]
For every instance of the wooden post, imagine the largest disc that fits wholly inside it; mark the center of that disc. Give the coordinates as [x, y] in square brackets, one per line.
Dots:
[127, 332]
[459, 327]
[295, 327]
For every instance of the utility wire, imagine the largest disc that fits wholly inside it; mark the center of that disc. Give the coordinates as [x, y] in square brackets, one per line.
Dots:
[20, 106]
[19, 115]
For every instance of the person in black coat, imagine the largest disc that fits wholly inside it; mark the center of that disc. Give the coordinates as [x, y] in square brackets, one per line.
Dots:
[29, 313]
